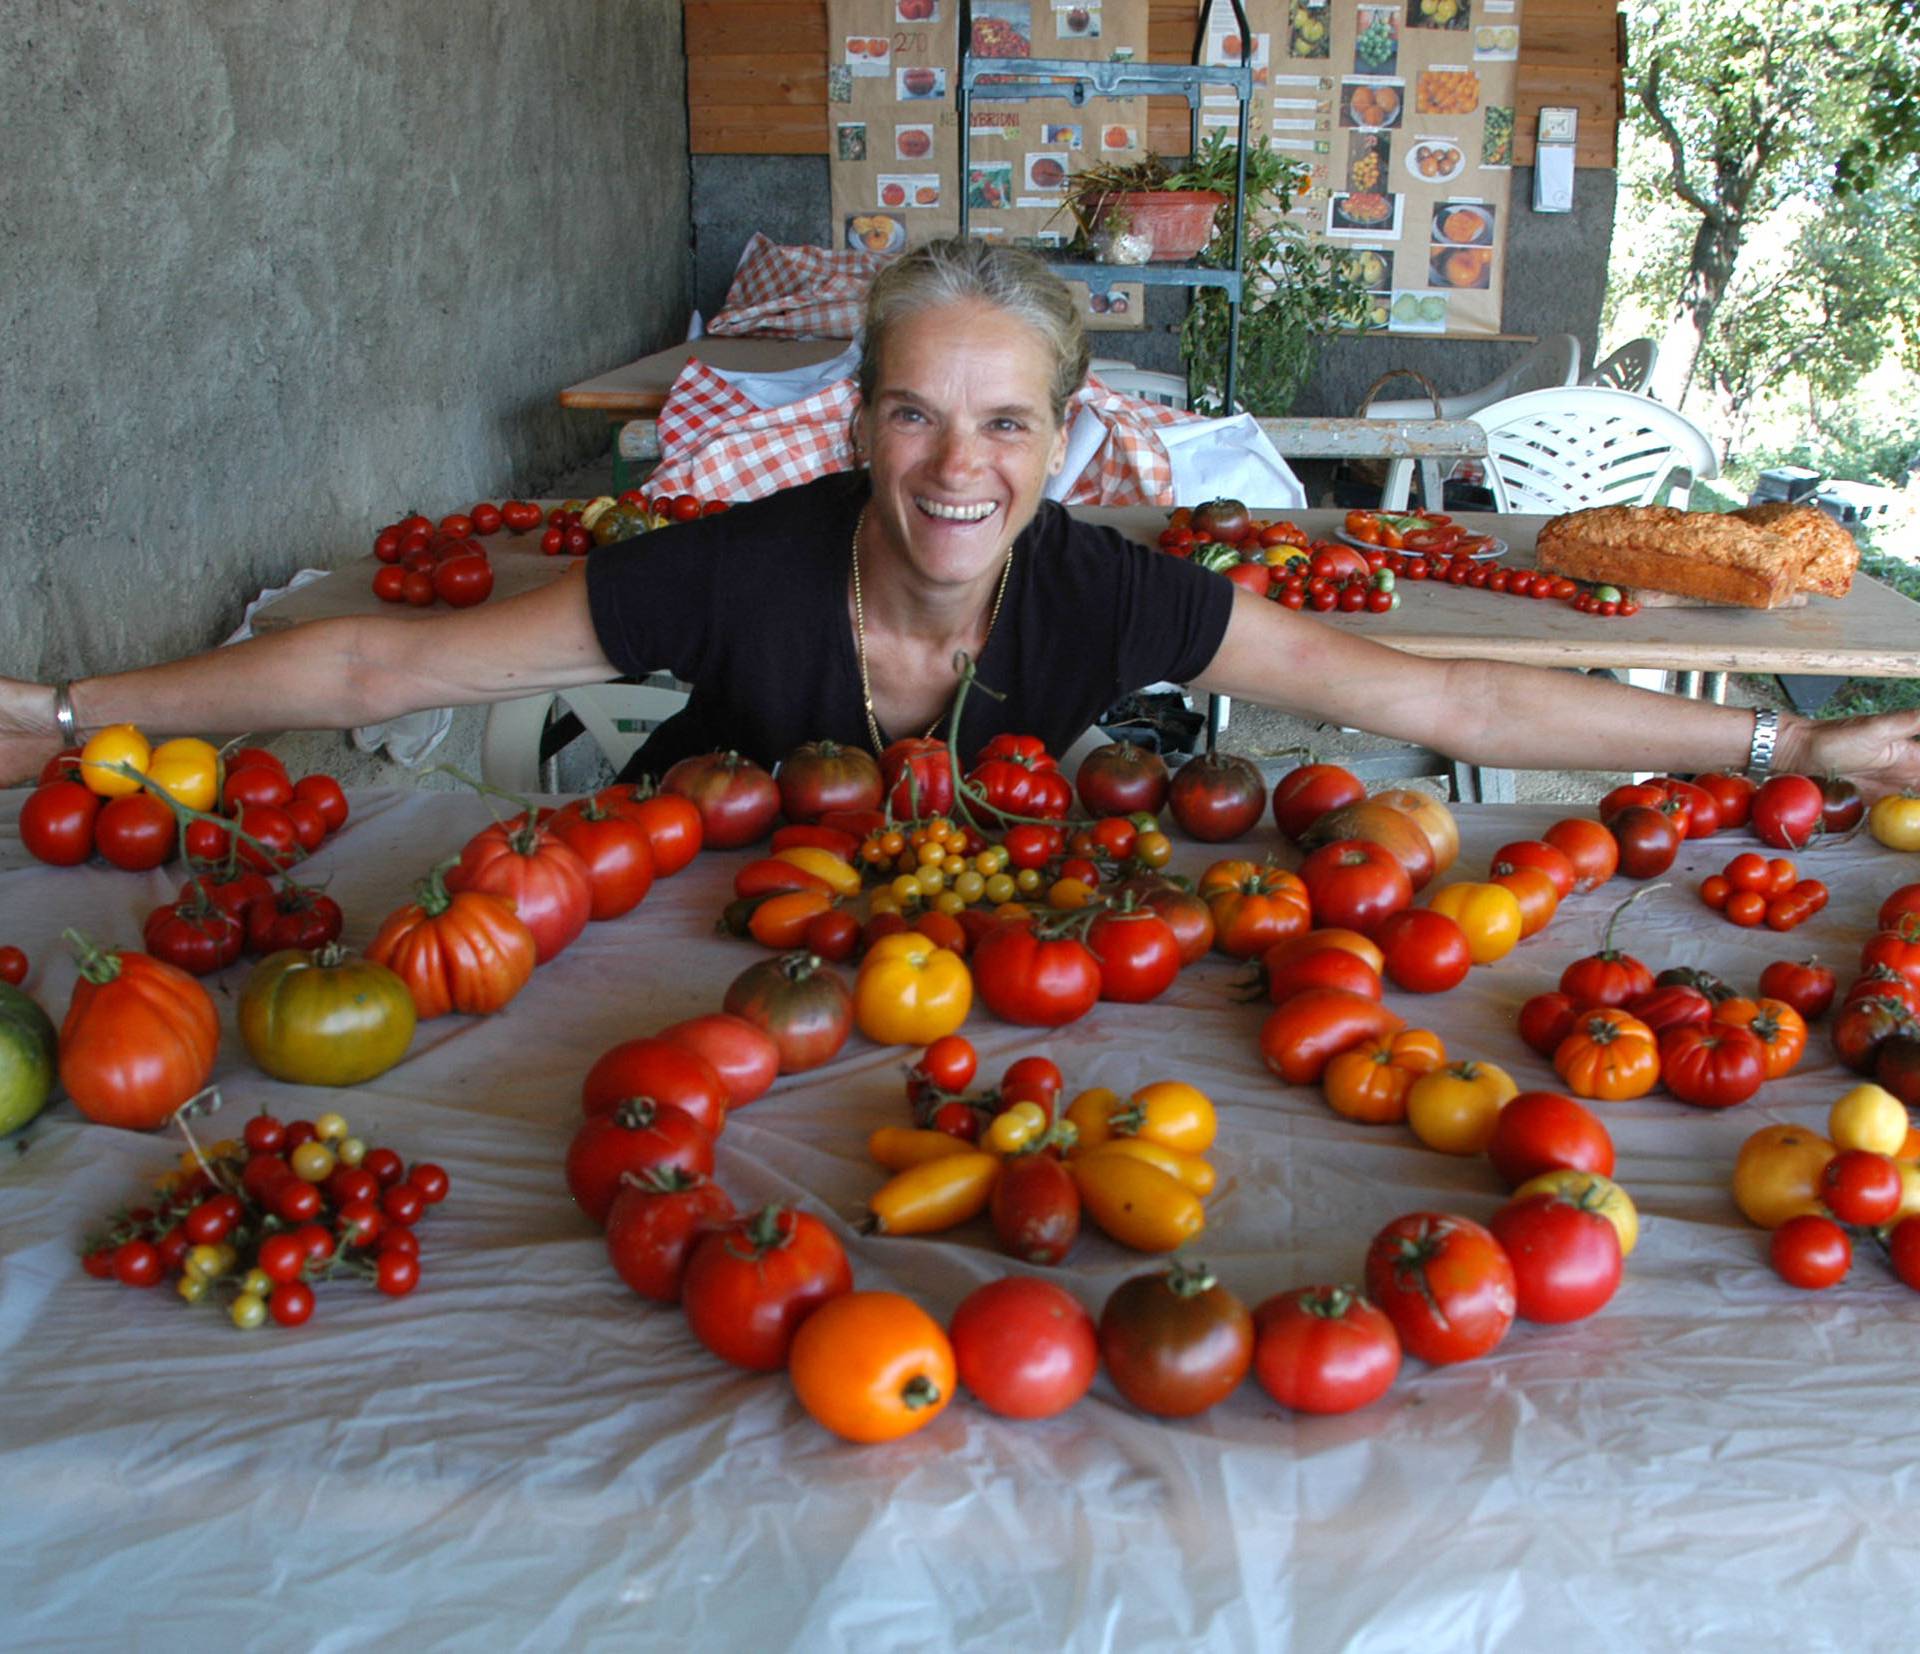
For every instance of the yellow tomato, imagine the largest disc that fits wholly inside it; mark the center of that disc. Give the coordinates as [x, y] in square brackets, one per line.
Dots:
[1777, 1174]
[1868, 1117]
[934, 1195]
[1013, 1129]
[189, 769]
[1136, 1204]
[1489, 914]
[1171, 1113]
[1909, 1192]
[1187, 1169]
[1895, 821]
[842, 877]
[1091, 1116]
[116, 744]
[1453, 1109]
[910, 991]
[1614, 1203]
[895, 1148]
[1066, 895]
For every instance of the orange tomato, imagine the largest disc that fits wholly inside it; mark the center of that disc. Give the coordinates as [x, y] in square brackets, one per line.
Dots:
[781, 921]
[1609, 1055]
[1537, 895]
[1487, 914]
[1777, 1174]
[872, 1366]
[1780, 1029]
[1370, 1082]
[1254, 906]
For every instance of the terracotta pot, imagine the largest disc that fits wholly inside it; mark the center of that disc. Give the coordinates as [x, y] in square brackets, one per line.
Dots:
[1179, 222]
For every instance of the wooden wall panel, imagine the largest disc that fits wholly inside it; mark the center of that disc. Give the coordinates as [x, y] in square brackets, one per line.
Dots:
[757, 75]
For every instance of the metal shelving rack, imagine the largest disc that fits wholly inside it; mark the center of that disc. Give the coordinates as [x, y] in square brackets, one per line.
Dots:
[1074, 81]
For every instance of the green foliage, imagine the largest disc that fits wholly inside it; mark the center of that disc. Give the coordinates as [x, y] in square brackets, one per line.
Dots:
[1298, 291]
[1846, 447]
[1890, 121]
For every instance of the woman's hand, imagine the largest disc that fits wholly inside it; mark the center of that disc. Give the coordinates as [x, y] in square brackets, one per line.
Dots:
[1880, 754]
[27, 740]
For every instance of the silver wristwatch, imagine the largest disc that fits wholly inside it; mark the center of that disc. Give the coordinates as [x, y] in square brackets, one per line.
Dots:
[1766, 731]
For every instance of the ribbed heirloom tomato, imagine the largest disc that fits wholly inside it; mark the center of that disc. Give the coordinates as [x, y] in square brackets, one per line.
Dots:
[1254, 906]
[1037, 982]
[138, 1040]
[1609, 1055]
[543, 877]
[466, 952]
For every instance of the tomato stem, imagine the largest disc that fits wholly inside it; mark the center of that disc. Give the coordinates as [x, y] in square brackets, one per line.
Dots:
[186, 813]
[1607, 950]
[918, 1392]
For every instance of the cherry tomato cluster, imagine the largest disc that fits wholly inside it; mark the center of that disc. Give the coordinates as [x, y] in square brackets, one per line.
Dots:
[423, 562]
[1751, 890]
[265, 1218]
[1876, 1031]
[81, 808]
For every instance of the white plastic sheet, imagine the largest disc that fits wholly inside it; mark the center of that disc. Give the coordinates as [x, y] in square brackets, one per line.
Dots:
[524, 1455]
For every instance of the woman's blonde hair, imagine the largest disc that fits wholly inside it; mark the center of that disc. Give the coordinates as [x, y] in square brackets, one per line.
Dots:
[959, 268]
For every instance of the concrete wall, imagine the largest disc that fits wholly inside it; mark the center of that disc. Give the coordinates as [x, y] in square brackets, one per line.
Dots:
[1556, 278]
[272, 273]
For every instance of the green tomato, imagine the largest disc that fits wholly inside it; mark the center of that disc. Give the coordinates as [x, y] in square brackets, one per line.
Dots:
[325, 1018]
[27, 1047]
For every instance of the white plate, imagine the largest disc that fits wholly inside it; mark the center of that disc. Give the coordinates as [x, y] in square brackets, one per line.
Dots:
[1497, 549]
[1452, 172]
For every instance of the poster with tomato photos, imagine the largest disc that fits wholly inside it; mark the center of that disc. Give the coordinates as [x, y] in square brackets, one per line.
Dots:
[1402, 115]
[894, 140]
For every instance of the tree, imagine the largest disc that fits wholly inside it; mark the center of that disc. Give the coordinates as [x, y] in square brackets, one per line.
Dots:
[1750, 105]
[1891, 120]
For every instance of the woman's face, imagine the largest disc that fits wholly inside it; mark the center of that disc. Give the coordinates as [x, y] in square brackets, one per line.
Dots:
[960, 438]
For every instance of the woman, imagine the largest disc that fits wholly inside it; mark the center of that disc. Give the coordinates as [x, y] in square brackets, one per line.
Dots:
[838, 609]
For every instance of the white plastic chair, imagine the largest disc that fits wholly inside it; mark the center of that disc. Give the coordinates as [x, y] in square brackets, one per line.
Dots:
[618, 716]
[1168, 389]
[1555, 360]
[1630, 368]
[1562, 450]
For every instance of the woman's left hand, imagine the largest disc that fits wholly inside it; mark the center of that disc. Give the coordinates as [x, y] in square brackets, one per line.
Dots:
[1880, 754]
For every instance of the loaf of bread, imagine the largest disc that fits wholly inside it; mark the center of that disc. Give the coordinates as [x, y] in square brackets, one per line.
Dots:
[1702, 554]
[1830, 553]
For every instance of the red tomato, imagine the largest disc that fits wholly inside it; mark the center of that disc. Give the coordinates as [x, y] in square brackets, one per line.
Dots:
[1712, 1065]
[659, 1071]
[197, 937]
[1589, 846]
[13, 965]
[1324, 1349]
[1035, 1209]
[390, 583]
[1445, 1283]
[1732, 796]
[1288, 970]
[56, 822]
[744, 1057]
[1649, 839]
[1355, 885]
[1546, 1019]
[1903, 1251]
[823, 776]
[948, 1065]
[1811, 1251]
[64, 765]
[1542, 1131]
[1843, 805]
[1808, 986]
[672, 824]
[1138, 955]
[1300, 1037]
[1787, 811]
[652, 1225]
[616, 851]
[292, 917]
[749, 1285]
[135, 832]
[1538, 854]
[1302, 796]
[1025, 1348]
[1702, 808]
[1036, 983]
[1032, 1080]
[632, 1137]
[1904, 901]
[1861, 1188]
[1426, 952]
[545, 879]
[1565, 1256]
[254, 784]
[268, 824]
[737, 800]
[327, 796]
[463, 580]
[1674, 1006]
[309, 825]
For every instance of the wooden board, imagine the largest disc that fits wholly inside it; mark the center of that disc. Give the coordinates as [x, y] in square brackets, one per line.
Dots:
[756, 75]
[1873, 632]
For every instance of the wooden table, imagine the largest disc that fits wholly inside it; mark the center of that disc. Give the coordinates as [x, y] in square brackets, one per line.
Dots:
[639, 390]
[1873, 632]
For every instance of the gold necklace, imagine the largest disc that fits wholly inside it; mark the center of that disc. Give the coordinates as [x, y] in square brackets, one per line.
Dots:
[860, 632]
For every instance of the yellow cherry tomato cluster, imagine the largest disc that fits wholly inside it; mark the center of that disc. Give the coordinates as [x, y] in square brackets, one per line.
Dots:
[939, 864]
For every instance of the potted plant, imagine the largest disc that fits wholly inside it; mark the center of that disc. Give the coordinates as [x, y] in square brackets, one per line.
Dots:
[1297, 293]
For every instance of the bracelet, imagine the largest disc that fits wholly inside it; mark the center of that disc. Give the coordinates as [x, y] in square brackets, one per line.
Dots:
[63, 714]
[1766, 731]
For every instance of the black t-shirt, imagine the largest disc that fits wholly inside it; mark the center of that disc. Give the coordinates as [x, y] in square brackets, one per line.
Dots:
[750, 607]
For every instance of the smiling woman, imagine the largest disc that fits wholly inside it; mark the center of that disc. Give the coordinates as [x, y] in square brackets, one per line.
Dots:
[835, 610]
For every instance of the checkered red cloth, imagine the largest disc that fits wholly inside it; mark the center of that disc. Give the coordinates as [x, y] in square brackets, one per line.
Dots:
[797, 292]
[717, 444]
